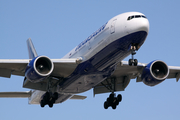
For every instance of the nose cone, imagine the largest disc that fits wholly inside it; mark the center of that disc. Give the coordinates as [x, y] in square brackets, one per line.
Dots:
[137, 24]
[143, 25]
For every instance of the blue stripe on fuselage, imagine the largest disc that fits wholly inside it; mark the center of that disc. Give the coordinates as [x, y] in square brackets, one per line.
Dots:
[111, 54]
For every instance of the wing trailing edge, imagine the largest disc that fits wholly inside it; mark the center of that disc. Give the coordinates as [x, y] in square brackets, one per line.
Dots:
[78, 97]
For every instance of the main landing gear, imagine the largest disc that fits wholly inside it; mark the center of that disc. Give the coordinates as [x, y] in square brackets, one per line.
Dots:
[133, 61]
[112, 100]
[49, 99]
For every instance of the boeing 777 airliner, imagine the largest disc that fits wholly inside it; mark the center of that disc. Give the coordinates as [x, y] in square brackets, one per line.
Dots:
[96, 63]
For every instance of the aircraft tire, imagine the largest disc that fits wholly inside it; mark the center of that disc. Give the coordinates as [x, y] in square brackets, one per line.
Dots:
[50, 104]
[135, 62]
[130, 62]
[114, 106]
[106, 105]
[42, 103]
[119, 97]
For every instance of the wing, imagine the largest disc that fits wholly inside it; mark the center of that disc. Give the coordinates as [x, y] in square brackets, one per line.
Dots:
[124, 73]
[62, 67]
[174, 72]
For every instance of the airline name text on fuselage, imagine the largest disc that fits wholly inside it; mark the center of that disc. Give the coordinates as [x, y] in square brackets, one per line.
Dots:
[90, 37]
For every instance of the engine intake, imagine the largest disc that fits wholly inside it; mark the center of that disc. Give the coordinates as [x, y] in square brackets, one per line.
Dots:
[39, 68]
[154, 73]
[43, 66]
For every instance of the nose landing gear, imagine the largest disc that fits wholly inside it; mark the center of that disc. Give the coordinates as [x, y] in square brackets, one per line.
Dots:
[133, 61]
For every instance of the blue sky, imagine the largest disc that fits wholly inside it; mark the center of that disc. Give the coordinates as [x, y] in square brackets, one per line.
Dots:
[58, 26]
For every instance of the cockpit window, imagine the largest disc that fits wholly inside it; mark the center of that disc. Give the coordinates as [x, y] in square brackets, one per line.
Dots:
[143, 16]
[136, 16]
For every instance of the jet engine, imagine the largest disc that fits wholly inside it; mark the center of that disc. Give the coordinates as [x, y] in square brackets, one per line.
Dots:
[154, 73]
[39, 68]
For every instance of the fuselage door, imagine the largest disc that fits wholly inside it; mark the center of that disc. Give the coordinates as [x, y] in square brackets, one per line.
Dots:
[89, 45]
[113, 26]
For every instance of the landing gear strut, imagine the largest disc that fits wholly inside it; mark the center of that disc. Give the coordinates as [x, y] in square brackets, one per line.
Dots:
[133, 61]
[112, 100]
[49, 99]
[50, 96]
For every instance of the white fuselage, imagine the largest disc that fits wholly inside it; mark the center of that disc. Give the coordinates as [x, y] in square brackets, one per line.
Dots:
[115, 28]
[106, 48]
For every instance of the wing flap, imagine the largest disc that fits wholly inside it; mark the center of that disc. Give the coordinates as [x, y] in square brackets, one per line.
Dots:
[15, 94]
[78, 97]
[5, 73]
[120, 83]
[13, 66]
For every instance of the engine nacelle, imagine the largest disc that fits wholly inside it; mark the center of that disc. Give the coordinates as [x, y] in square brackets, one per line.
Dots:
[39, 68]
[154, 73]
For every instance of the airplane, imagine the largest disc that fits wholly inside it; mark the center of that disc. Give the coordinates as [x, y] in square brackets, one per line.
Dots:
[96, 63]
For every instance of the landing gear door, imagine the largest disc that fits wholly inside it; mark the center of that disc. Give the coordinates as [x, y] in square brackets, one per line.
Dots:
[113, 26]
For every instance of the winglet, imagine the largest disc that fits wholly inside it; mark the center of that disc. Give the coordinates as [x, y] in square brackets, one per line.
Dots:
[177, 77]
[31, 50]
